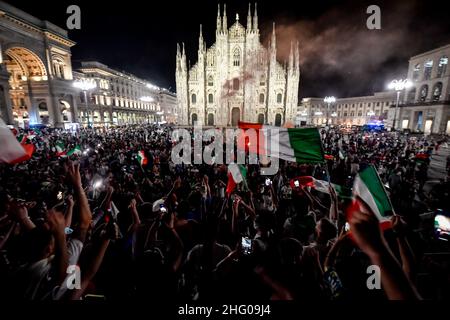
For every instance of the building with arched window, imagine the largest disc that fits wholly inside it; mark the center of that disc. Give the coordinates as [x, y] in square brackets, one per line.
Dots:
[37, 81]
[35, 71]
[426, 107]
[237, 78]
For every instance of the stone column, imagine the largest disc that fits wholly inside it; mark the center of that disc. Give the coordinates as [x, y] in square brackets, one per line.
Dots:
[55, 112]
[74, 108]
[5, 99]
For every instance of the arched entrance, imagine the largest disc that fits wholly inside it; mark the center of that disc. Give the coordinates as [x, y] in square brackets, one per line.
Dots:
[43, 113]
[261, 118]
[278, 120]
[194, 118]
[210, 119]
[235, 116]
[25, 67]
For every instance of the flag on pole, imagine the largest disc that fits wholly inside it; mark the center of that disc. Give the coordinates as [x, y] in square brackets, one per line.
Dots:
[75, 151]
[237, 173]
[370, 189]
[301, 145]
[11, 150]
[142, 159]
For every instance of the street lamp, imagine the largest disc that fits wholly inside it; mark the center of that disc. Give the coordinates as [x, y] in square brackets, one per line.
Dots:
[398, 86]
[85, 85]
[329, 100]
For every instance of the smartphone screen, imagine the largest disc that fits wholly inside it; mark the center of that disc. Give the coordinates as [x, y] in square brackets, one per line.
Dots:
[442, 224]
[246, 244]
[346, 227]
[268, 182]
[296, 183]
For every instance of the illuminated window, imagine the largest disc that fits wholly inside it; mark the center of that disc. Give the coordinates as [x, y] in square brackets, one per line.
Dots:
[416, 72]
[423, 93]
[442, 67]
[437, 90]
[428, 67]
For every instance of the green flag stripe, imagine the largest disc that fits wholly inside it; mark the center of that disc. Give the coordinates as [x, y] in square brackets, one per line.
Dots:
[373, 183]
[306, 144]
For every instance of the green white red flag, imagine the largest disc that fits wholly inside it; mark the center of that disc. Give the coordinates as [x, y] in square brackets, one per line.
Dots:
[237, 173]
[75, 151]
[11, 151]
[301, 145]
[60, 149]
[369, 188]
[142, 159]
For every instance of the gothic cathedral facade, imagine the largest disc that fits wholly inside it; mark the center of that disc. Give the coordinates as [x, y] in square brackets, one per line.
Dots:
[237, 78]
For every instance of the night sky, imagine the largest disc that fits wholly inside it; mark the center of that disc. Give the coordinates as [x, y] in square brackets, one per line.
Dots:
[339, 55]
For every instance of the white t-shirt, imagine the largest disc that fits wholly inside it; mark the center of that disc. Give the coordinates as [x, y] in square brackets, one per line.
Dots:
[37, 279]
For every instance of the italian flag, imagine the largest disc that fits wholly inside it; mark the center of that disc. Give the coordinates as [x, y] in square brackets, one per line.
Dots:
[309, 181]
[301, 145]
[22, 138]
[237, 173]
[76, 151]
[11, 150]
[370, 189]
[60, 149]
[142, 159]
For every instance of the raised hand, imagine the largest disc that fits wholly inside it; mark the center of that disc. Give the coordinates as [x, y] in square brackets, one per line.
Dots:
[56, 221]
[18, 211]
[365, 228]
[398, 225]
[70, 200]
[73, 173]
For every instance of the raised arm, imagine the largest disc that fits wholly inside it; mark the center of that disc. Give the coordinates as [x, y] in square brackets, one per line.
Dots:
[95, 254]
[57, 224]
[367, 235]
[19, 213]
[406, 253]
[106, 203]
[69, 211]
[85, 215]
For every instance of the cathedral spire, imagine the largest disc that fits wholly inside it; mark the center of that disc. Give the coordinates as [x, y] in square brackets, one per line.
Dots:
[249, 18]
[255, 18]
[219, 20]
[291, 57]
[273, 42]
[297, 57]
[200, 39]
[224, 19]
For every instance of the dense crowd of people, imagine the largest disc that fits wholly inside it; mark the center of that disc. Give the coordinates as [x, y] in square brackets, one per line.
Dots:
[160, 230]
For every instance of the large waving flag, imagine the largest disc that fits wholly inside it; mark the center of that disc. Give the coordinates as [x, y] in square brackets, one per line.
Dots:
[11, 151]
[301, 145]
[370, 189]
